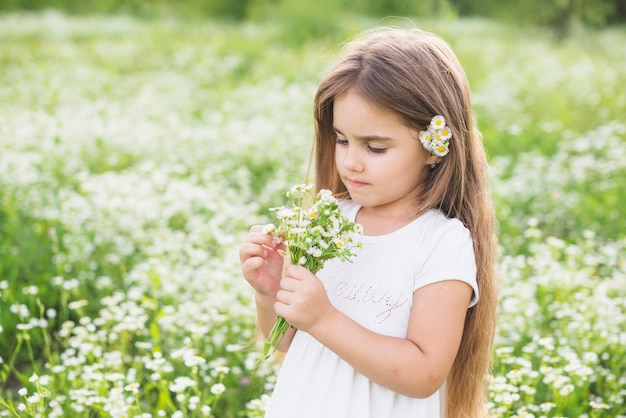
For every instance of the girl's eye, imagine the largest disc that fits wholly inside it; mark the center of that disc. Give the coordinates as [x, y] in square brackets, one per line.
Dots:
[376, 150]
[373, 150]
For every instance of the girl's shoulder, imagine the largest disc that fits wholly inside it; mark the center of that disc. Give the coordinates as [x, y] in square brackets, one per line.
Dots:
[434, 227]
[441, 224]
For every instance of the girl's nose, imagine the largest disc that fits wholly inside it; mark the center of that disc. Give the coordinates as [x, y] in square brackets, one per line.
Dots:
[352, 160]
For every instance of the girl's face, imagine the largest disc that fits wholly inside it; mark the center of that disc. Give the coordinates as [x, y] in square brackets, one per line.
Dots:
[379, 159]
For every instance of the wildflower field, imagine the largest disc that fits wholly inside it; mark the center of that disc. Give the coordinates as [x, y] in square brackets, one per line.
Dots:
[135, 154]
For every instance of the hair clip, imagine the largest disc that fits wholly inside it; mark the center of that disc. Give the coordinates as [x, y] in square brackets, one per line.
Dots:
[436, 137]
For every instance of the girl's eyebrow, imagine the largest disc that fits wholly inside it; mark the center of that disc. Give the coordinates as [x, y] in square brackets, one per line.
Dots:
[366, 137]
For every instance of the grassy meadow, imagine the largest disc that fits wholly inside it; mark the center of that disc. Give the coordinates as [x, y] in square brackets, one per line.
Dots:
[135, 154]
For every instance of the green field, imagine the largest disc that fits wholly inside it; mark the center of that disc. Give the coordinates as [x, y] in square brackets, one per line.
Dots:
[135, 154]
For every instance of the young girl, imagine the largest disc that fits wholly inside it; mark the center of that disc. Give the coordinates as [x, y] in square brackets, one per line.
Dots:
[406, 329]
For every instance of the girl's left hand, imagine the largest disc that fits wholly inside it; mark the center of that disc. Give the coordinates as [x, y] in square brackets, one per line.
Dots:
[302, 299]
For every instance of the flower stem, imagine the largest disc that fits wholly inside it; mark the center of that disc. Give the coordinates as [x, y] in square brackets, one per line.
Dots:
[274, 339]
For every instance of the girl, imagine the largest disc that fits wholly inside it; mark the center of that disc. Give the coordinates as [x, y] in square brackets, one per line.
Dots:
[406, 329]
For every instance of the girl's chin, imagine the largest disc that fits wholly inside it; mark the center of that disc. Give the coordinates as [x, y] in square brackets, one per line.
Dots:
[357, 199]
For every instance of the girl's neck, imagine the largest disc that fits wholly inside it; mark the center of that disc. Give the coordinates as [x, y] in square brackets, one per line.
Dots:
[381, 223]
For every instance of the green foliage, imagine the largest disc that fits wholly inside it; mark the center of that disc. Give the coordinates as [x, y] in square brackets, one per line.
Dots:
[309, 19]
[299, 22]
[26, 255]
[399, 8]
[78, 6]
[559, 15]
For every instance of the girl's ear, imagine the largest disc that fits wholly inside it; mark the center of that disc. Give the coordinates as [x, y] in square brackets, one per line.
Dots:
[433, 160]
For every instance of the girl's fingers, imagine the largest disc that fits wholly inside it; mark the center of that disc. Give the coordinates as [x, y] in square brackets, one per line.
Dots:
[260, 238]
[259, 229]
[264, 239]
[248, 250]
[289, 284]
[253, 263]
[283, 296]
[297, 272]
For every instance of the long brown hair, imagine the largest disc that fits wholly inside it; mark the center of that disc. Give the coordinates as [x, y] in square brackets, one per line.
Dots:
[417, 75]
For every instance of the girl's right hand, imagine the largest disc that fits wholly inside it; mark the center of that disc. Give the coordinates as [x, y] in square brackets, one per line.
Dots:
[261, 261]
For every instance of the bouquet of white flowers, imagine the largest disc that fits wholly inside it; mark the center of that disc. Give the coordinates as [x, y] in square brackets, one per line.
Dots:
[311, 236]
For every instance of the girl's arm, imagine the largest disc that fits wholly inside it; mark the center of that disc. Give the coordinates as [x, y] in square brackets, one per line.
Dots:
[414, 366]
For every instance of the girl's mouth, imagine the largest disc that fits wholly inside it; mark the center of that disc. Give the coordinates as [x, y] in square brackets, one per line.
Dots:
[355, 184]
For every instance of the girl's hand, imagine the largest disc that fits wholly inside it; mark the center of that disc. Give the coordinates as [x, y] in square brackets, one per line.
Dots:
[302, 299]
[261, 262]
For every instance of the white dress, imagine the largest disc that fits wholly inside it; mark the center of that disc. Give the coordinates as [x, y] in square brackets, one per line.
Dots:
[375, 290]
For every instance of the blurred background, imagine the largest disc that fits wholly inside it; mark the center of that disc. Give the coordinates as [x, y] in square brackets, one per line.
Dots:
[318, 17]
